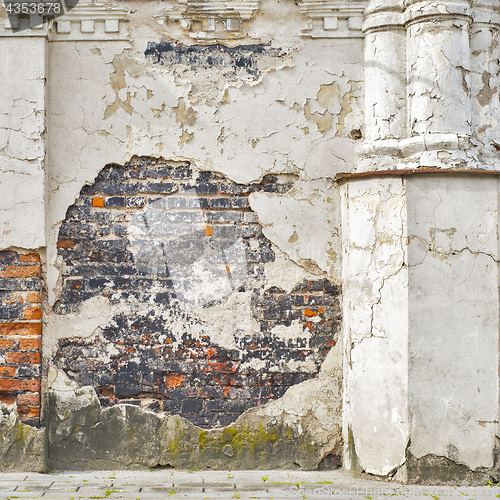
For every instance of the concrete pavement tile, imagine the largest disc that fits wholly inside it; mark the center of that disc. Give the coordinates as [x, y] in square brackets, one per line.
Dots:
[42, 481]
[9, 485]
[144, 486]
[182, 477]
[14, 476]
[24, 494]
[151, 489]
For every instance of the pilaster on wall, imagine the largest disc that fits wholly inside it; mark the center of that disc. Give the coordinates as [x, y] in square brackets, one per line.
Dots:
[23, 155]
[20, 333]
[421, 240]
[485, 72]
[22, 141]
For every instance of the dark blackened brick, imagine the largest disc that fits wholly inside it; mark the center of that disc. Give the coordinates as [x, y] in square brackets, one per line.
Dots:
[88, 189]
[224, 217]
[192, 405]
[126, 388]
[138, 172]
[115, 201]
[77, 231]
[277, 188]
[240, 202]
[8, 257]
[158, 187]
[220, 203]
[10, 312]
[182, 172]
[163, 171]
[28, 371]
[111, 187]
[205, 176]
[192, 376]
[20, 284]
[230, 188]
[216, 405]
[135, 201]
[172, 405]
[207, 188]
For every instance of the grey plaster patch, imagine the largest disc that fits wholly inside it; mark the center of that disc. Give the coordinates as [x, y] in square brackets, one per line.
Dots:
[432, 469]
[22, 447]
[82, 435]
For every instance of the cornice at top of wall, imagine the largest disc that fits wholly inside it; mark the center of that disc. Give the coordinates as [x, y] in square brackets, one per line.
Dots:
[88, 20]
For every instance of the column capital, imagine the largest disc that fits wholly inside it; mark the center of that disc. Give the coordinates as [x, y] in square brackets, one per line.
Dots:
[382, 15]
[428, 10]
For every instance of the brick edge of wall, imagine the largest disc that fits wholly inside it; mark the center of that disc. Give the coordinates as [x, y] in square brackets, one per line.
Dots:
[21, 333]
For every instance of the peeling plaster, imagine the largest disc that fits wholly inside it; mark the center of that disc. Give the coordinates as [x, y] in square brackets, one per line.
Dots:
[302, 224]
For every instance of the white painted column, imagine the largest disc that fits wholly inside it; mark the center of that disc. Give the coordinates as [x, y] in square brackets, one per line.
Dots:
[438, 66]
[485, 75]
[385, 71]
[22, 140]
[374, 227]
[453, 317]
[421, 249]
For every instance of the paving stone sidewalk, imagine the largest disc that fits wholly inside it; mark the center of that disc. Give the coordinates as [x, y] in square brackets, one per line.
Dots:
[199, 485]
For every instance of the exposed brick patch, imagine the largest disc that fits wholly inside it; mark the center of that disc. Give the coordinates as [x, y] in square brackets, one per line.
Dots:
[139, 235]
[20, 333]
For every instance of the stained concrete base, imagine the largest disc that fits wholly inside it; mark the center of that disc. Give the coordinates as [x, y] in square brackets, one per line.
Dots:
[22, 447]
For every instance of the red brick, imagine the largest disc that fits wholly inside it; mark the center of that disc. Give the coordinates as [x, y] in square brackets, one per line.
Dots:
[23, 358]
[7, 343]
[34, 297]
[28, 329]
[310, 313]
[107, 392]
[34, 312]
[20, 272]
[8, 398]
[228, 367]
[98, 201]
[28, 399]
[8, 371]
[11, 384]
[65, 243]
[28, 411]
[27, 344]
[173, 380]
[12, 298]
[29, 257]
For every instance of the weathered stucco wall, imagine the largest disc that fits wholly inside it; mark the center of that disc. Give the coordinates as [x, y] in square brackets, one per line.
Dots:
[192, 264]
[177, 167]
[420, 241]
